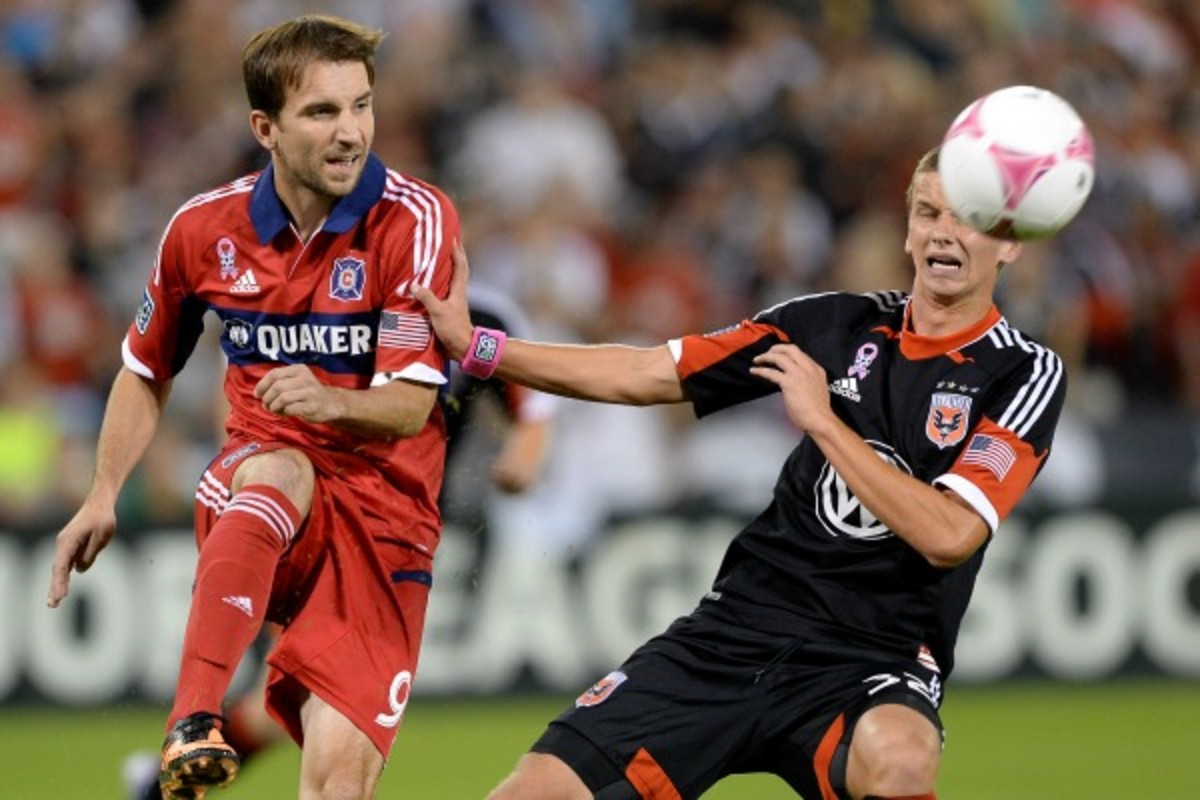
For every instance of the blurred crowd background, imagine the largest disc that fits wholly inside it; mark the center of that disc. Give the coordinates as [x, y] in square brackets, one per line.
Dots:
[627, 170]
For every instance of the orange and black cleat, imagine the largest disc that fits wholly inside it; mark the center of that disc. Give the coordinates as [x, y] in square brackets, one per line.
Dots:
[196, 758]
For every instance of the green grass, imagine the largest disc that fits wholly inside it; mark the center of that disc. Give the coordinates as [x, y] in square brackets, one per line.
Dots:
[1025, 741]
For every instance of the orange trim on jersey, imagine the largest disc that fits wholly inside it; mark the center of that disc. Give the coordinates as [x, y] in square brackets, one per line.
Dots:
[702, 351]
[958, 358]
[887, 331]
[915, 346]
[649, 779]
[1004, 488]
[823, 758]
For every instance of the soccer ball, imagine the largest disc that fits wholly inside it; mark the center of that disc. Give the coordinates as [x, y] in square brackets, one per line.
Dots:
[1017, 163]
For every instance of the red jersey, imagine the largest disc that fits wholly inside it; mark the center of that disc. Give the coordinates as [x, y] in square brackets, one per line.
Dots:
[339, 303]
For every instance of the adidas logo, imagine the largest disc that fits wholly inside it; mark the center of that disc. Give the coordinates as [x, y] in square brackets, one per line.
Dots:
[245, 284]
[847, 388]
[241, 603]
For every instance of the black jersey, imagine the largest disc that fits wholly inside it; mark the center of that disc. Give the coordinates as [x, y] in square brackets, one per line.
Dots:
[974, 412]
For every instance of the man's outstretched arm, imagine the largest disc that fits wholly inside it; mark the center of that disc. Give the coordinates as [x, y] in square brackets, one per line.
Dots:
[607, 373]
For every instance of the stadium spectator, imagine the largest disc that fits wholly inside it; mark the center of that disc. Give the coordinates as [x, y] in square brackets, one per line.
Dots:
[32, 448]
[62, 321]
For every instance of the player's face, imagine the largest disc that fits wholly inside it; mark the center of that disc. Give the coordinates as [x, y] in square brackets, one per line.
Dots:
[324, 131]
[952, 259]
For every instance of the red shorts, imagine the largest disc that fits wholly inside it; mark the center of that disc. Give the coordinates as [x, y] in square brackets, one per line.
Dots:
[350, 597]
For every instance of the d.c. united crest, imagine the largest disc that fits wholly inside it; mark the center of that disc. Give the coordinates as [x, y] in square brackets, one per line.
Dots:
[946, 424]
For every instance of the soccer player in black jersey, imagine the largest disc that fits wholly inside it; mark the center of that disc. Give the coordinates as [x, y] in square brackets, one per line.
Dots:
[821, 652]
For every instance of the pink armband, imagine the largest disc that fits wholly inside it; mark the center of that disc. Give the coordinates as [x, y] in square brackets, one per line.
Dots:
[483, 354]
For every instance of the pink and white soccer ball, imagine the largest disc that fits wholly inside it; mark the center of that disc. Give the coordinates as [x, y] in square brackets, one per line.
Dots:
[1018, 162]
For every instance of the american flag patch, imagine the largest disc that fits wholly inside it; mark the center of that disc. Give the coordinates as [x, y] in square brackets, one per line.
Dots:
[995, 454]
[404, 330]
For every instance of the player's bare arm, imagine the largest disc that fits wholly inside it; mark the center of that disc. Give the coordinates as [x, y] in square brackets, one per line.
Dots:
[608, 373]
[605, 373]
[519, 462]
[130, 420]
[937, 523]
[397, 408]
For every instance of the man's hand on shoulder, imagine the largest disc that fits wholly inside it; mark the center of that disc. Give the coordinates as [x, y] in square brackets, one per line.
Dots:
[451, 318]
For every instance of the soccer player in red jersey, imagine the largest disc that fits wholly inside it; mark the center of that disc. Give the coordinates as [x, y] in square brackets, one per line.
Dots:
[821, 652]
[321, 512]
[522, 447]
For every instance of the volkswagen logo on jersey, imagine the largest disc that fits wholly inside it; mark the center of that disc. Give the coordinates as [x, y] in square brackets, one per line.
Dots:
[348, 278]
[841, 512]
[946, 424]
[240, 334]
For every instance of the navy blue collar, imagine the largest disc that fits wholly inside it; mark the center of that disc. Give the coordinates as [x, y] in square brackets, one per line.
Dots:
[270, 217]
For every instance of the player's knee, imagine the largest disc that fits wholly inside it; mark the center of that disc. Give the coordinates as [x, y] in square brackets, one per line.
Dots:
[287, 470]
[343, 776]
[541, 777]
[343, 786]
[893, 754]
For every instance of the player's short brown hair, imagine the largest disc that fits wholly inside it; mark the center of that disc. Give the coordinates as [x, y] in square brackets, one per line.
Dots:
[928, 163]
[275, 58]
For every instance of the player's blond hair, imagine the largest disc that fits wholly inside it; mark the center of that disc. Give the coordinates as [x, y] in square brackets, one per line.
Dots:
[928, 163]
[274, 60]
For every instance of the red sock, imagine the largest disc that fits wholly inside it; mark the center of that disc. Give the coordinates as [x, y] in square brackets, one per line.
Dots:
[229, 600]
[930, 796]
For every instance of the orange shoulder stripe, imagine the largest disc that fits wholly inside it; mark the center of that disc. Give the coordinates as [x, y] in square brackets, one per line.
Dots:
[702, 351]
[1004, 481]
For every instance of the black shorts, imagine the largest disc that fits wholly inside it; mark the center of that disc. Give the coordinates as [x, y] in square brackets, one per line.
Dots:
[707, 699]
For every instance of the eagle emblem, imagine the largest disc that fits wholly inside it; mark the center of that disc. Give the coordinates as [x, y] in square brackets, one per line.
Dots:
[946, 424]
